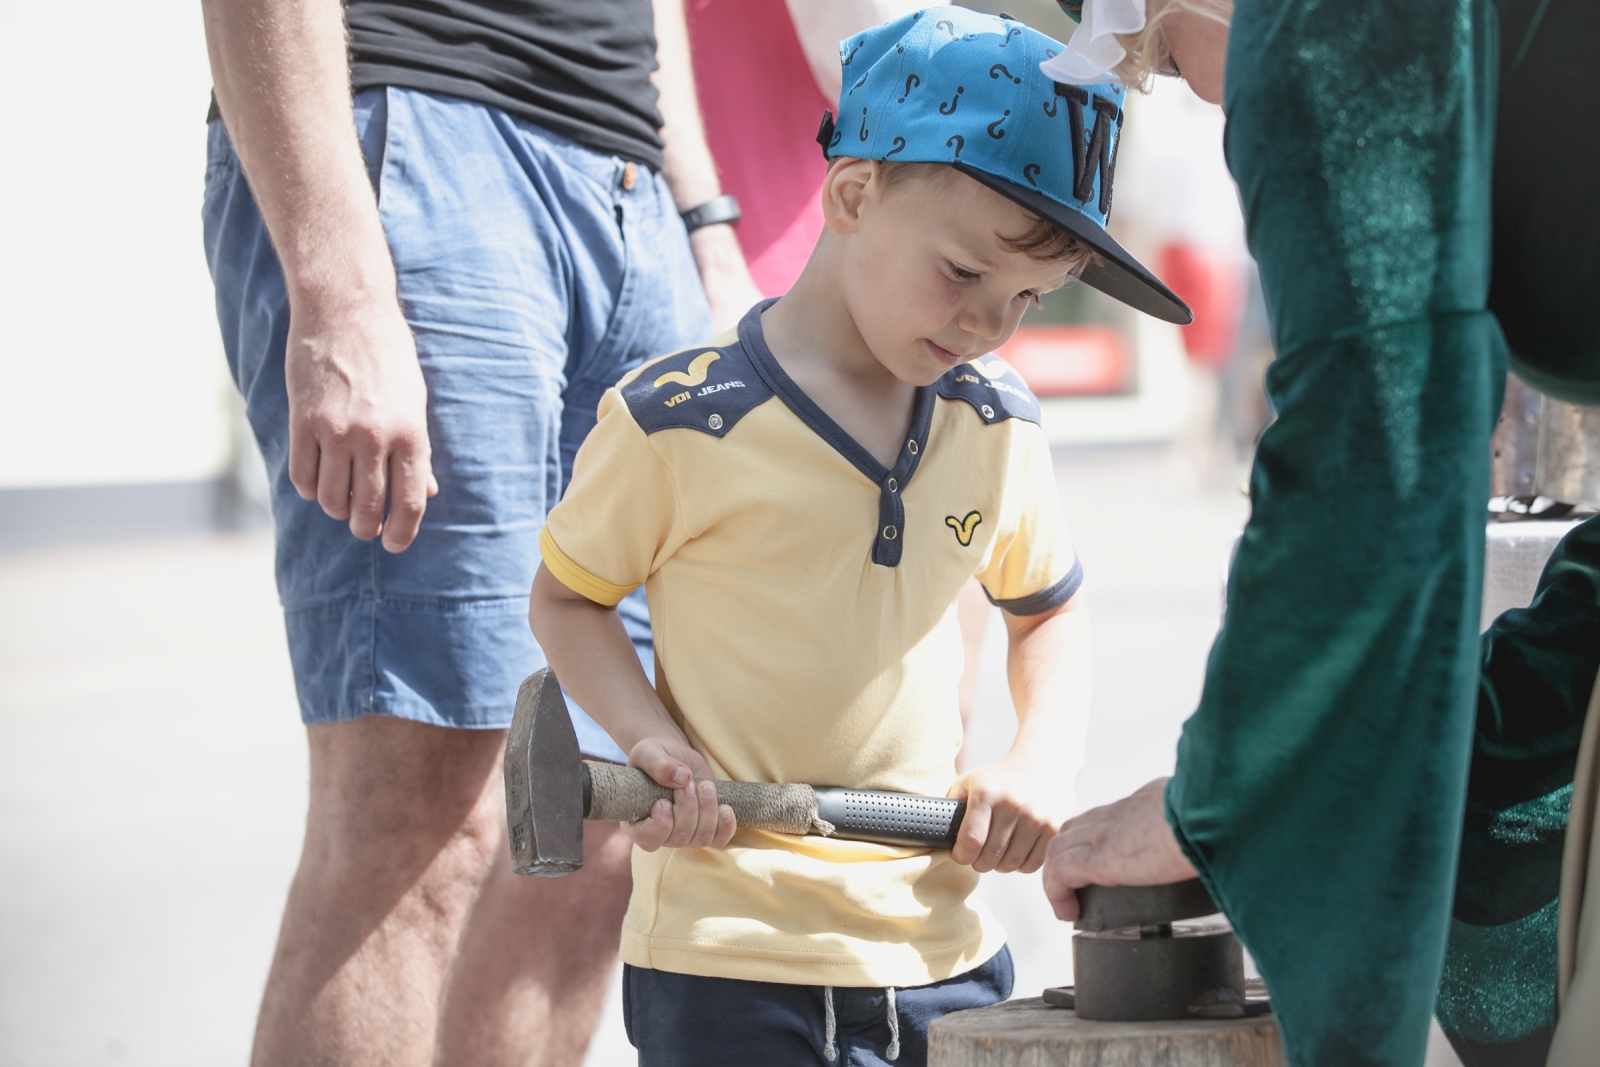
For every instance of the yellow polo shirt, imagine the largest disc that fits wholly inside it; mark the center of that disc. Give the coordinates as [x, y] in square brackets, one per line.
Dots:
[803, 601]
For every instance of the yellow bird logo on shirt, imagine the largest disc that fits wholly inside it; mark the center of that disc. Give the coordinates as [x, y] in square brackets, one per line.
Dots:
[964, 527]
[697, 371]
[992, 369]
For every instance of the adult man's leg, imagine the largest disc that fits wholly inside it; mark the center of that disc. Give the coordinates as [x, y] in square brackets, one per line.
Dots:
[527, 298]
[526, 991]
[404, 820]
[405, 823]
[518, 983]
[404, 845]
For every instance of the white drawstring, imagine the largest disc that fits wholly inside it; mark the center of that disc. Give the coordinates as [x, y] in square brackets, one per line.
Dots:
[829, 1053]
[830, 1026]
[893, 1052]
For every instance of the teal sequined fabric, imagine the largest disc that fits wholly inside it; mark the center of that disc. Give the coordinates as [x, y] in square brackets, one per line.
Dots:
[1499, 982]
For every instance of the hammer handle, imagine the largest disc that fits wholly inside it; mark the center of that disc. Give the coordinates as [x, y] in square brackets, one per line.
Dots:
[626, 794]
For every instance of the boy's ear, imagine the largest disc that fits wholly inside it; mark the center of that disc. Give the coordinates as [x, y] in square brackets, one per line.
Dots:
[846, 191]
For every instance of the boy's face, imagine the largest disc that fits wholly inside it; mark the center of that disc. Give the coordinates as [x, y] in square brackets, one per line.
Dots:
[931, 283]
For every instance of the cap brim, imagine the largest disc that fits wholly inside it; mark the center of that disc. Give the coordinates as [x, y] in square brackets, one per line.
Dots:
[1114, 272]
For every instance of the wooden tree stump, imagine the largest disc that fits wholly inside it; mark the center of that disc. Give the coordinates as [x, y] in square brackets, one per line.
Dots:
[1031, 1033]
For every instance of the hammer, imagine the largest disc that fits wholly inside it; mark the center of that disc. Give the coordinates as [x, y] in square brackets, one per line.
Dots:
[551, 790]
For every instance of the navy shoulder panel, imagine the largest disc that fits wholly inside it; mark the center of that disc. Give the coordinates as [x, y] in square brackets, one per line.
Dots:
[706, 389]
[993, 388]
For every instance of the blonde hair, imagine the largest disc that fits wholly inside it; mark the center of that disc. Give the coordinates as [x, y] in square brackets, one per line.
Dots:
[1044, 242]
[1148, 50]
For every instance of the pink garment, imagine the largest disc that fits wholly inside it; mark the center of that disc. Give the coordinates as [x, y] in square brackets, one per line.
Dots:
[761, 108]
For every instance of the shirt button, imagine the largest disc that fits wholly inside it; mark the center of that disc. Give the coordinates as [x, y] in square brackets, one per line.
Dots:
[890, 533]
[630, 177]
[988, 412]
[894, 486]
[715, 422]
[912, 445]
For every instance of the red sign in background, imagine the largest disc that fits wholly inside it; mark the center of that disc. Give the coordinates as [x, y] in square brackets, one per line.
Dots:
[1070, 360]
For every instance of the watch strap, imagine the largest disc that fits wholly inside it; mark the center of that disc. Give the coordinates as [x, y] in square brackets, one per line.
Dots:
[724, 208]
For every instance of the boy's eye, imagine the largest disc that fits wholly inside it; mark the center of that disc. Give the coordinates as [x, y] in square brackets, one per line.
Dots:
[962, 274]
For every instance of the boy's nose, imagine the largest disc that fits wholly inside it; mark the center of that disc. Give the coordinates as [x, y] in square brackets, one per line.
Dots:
[984, 323]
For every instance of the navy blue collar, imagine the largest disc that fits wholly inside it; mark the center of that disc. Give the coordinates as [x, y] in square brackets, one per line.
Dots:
[888, 542]
[806, 409]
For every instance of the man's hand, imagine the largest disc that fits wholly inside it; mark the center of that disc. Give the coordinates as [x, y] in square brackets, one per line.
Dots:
[1126, 843]
[358, 431]
[1013, 807]
[358, 420]
[693, 818]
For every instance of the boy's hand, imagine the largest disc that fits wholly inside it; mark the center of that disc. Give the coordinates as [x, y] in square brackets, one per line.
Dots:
[1013, 809]
[693, 818]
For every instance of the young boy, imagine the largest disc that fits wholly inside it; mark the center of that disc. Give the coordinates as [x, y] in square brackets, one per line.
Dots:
[803, 499]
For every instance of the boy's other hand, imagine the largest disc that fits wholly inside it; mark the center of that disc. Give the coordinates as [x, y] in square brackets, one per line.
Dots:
[1013, 809]
[693, 818]
[1125, 843]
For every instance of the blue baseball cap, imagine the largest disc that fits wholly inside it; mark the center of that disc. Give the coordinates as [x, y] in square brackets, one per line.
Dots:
[951, 85]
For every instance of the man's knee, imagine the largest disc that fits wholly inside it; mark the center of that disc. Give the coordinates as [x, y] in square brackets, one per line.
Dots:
[396, 803]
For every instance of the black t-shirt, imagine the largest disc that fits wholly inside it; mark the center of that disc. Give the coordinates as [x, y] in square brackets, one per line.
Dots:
[579, 68]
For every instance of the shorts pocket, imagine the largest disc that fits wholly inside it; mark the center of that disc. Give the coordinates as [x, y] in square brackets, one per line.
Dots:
[219, 151]
[372, 129]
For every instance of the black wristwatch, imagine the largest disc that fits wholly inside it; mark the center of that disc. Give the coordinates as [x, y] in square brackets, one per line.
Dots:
[721, 209]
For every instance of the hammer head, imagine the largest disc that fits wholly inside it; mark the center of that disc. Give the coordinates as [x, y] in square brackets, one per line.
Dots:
[544, 787]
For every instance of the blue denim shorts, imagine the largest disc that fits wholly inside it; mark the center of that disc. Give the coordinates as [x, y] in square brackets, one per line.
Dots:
[683, 1020]
[532, 278]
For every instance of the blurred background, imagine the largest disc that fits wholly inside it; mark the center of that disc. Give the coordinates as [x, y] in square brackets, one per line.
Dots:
[152, 765]
[117, 418]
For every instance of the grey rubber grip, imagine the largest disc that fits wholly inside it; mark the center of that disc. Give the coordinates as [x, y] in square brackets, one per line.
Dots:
[891, 818]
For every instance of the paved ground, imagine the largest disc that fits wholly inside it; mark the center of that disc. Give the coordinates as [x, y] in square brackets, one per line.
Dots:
[152, 770]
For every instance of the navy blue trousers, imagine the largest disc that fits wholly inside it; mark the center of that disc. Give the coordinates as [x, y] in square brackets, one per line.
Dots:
[682, 1020]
